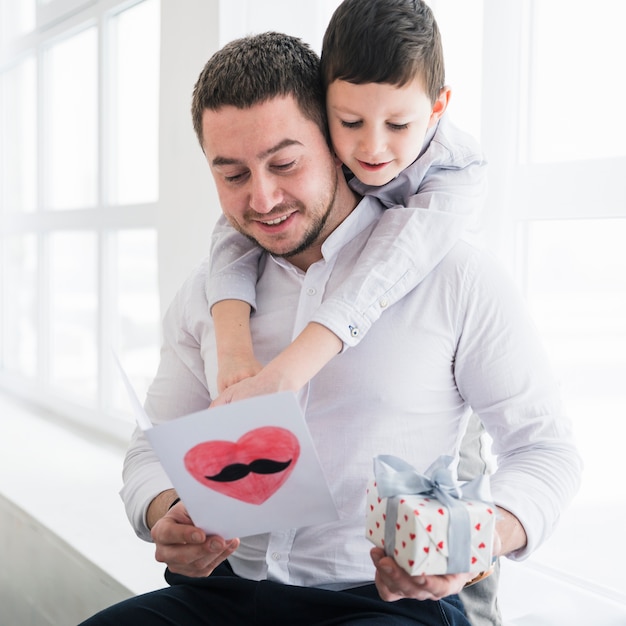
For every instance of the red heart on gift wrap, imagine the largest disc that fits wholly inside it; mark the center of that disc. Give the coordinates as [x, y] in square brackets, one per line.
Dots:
[371, 532]
[371, 507]
[441, 511]
[402, 501]
[429, 528]
[398, 526]
[474, 559]
[269, 455]
[384, 516]
[477, 527]
[379, 500]
[404, 544]
[427, 549]
[490, 511]
[412, 536]
[411, 563]
[440, 545]
[377, 524]
[416, 512]
[482, 546]
[395, 552]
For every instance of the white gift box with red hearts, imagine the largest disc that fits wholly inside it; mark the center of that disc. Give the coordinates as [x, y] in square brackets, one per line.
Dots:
[421, 536]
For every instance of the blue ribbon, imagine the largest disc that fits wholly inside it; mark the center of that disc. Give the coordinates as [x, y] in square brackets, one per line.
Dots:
[395, 477]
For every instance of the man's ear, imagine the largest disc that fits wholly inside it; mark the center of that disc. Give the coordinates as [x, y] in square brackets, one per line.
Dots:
[440, 106]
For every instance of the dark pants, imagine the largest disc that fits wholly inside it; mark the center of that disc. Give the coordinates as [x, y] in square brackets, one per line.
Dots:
[225, 599]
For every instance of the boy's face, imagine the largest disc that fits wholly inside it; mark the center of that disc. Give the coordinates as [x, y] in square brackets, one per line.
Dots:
[378, 129]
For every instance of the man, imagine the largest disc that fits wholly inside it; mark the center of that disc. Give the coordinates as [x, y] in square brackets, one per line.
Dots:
[460, 341]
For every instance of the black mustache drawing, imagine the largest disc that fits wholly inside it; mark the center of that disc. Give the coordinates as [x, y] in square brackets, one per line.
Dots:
[241, 470]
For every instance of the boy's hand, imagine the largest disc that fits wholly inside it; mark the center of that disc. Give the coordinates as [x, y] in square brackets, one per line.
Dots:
[263, 383]
[394, 583]
[234, 369]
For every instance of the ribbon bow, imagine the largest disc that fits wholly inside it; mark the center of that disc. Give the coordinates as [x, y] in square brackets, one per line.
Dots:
[395, 477]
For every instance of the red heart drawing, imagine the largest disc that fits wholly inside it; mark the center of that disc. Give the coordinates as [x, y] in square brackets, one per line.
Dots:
[250, 469]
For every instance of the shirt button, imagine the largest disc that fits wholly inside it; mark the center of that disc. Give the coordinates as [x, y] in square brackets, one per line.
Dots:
[276, 556]
[383, 303]
[354, 331]
[311, 291]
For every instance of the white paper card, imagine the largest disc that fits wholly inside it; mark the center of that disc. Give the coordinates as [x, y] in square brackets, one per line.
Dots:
[243, 468]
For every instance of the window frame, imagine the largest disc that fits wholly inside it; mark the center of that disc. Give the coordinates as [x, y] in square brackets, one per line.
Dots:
[57, 21]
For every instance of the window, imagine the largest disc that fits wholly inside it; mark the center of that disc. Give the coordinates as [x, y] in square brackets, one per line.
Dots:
[555, 137]
[79, 171]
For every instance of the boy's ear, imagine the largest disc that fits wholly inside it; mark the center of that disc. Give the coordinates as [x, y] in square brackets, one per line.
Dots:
[440, 106]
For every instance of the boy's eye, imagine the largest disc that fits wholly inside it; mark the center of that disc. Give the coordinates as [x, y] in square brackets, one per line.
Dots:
[346, 124]
[397, 126]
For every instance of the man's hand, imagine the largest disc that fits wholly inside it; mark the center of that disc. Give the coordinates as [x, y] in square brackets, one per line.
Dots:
[393, 583]
[186, 549]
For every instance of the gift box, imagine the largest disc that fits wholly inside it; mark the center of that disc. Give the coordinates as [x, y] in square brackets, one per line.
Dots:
[431, 523]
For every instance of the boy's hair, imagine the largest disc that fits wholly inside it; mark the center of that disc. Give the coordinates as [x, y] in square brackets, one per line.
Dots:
[257, 68]
[383, 41]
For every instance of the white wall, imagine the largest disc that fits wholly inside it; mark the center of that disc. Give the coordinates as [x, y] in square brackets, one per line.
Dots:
[188, 205]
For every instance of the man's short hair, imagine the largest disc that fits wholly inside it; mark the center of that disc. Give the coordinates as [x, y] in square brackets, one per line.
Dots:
[384, 41]
[257, 68]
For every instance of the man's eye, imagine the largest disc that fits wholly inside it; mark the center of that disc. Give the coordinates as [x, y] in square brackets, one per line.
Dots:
[235, 178]
[350, 124]
[284, 167]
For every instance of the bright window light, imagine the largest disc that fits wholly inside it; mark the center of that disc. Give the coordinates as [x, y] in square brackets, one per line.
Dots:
[70, 108]
[578, 93]
[135, 83]
[73, 314]
[18, 124]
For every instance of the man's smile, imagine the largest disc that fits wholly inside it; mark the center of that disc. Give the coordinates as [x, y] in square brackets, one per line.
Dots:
[275, 221]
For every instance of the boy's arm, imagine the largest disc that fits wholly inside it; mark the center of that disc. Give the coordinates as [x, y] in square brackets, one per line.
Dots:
[235, 355]
[412, 236]
[231, 291]
[406, 244]
[291, 369]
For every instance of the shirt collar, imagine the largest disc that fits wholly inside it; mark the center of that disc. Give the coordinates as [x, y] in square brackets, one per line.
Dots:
[367, 211]
[364, 214]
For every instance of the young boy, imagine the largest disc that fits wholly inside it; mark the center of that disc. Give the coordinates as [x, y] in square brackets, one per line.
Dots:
[383, 71]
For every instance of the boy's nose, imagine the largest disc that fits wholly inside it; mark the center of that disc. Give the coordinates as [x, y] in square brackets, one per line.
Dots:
[373, 143]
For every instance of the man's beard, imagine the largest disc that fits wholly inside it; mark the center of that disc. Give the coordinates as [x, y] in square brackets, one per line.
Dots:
[313, 232]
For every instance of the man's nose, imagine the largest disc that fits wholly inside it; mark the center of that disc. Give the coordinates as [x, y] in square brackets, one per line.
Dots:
[264, 194]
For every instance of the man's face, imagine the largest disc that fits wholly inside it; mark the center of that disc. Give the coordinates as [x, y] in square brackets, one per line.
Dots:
[378, 129]
[275, 175]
